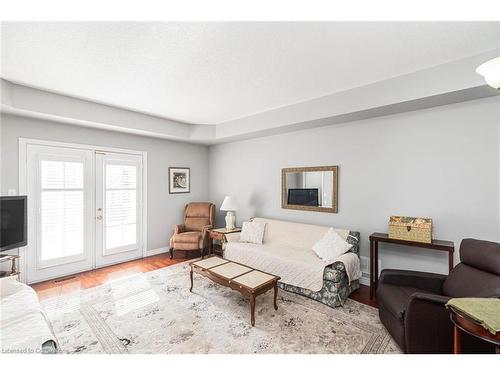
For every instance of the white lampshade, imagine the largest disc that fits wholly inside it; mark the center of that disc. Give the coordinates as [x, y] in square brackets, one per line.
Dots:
[229, 204]
[490, 70]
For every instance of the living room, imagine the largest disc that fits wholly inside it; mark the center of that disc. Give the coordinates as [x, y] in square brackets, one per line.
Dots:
[250, 187]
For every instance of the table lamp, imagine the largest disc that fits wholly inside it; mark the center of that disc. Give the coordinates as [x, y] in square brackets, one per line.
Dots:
[230, 205]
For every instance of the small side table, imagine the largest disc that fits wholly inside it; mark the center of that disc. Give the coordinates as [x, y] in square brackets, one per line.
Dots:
[218, 234]
[375, 238]
[13, 268]
[466, 324]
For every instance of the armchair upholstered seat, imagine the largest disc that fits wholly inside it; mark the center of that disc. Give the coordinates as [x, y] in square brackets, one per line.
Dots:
[412, 304]
[192, 235]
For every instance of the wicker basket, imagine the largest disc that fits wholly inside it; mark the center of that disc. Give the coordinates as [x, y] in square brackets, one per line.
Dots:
[410, 228]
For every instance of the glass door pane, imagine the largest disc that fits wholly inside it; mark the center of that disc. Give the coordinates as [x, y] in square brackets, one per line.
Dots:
[118, 207]
[62, 214]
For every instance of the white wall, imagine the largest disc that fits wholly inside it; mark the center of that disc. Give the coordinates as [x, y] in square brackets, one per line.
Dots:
[164, 209]
[441, 163]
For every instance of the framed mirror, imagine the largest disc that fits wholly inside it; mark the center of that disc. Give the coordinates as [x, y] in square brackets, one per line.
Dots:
[310, 188]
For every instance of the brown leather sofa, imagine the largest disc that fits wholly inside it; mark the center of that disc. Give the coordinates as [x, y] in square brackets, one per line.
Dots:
[411, 304]
[192, 235]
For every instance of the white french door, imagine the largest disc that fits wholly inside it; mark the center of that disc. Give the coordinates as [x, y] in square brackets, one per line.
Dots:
[118, 208]
[60, 202]
[85, 209]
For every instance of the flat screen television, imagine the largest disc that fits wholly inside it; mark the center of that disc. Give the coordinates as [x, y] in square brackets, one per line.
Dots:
[13, 226]
[303, 197]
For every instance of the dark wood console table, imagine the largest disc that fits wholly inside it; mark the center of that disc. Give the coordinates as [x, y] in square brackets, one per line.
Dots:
[375, 238]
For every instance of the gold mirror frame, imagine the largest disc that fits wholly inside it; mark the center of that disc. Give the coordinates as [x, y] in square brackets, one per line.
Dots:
[332, 168]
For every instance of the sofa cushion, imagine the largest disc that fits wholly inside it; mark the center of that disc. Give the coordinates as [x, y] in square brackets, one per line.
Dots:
[252, 232]
[330, 246]
[395, 298]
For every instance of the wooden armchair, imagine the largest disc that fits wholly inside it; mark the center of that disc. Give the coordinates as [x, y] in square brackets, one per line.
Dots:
[192, 235]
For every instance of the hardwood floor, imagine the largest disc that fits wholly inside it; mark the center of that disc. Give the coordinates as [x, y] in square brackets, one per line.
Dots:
[90, 279]
[362, 295]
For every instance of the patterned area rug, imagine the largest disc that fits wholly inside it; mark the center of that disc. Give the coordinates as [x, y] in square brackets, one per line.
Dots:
[154, 312]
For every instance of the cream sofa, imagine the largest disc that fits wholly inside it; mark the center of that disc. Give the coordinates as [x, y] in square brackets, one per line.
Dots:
[23, 325]
[287, 252]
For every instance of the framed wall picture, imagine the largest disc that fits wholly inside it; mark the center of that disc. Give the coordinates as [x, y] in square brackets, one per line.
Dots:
[179, 180]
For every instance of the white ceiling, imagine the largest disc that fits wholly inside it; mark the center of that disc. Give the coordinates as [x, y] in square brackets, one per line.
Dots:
[210, 73]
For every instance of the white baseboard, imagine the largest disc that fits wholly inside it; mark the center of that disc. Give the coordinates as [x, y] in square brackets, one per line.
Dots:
[365, 265]
[157, 251]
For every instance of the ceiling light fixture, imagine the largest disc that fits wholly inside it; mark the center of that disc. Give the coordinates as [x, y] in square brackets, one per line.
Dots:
[490, 70]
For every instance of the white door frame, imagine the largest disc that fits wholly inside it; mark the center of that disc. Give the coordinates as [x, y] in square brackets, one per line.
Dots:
[23, 170]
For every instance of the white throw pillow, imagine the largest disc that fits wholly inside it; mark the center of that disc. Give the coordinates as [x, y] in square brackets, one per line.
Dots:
[331, 246]
[252, 232]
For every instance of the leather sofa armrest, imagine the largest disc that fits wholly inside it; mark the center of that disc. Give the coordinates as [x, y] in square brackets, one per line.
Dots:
[429, 297]
[179, 228]
[431, 282]
[428, 328]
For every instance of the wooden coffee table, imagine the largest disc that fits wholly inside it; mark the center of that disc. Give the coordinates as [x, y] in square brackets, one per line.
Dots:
[246, 280]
